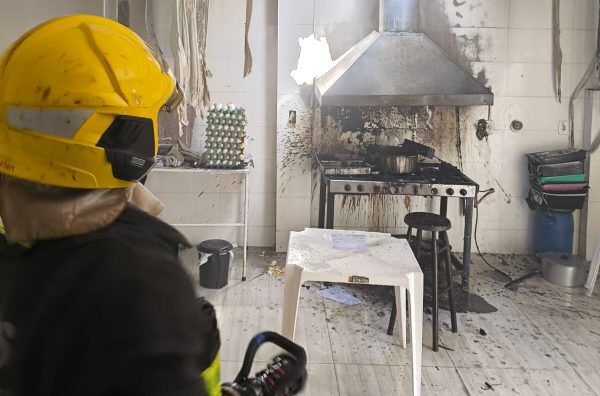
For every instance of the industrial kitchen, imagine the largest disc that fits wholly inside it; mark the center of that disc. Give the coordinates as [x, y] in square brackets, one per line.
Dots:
[312, 197]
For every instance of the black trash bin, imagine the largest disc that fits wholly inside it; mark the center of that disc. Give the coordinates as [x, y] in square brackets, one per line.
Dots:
[215, 272]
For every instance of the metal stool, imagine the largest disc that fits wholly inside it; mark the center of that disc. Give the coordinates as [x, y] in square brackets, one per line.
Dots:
[422, 221]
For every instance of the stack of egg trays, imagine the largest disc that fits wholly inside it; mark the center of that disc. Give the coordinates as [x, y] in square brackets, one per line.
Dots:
[225, 137]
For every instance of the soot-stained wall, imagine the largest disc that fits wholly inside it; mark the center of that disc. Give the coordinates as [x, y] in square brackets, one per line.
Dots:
[505, 44]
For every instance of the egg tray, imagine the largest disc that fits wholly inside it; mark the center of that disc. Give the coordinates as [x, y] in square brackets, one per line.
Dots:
[225, 137]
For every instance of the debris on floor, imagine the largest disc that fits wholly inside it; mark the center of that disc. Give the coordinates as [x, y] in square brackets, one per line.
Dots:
[518, 354]
[482, 332]
[488, 386]
[276, 269]
[340, 295]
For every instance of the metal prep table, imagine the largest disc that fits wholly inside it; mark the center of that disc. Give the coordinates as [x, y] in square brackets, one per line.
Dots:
[232, 172]
[430, 180]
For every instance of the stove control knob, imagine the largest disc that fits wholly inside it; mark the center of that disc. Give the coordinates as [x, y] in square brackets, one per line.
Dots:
[450, 191]
[360, 188]
[375, 188]
[463, 192]
[347, 187]
[434, 191]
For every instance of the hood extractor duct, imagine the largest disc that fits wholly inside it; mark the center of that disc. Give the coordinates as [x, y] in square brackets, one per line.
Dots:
[396, 66]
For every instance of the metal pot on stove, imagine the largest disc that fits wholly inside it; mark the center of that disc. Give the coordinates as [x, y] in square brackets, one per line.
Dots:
[400, 164]
[398, 160]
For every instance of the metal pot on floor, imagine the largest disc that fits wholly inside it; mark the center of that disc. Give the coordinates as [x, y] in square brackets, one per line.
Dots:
[564, 269]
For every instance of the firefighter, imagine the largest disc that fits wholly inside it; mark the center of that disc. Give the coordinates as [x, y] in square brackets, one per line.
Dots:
[93, 300]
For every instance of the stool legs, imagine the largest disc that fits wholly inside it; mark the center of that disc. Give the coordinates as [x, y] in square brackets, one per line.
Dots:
[443, 236]
[419, 240]
[399, 300]
[434, 291]
[450, 282]
[392, 323]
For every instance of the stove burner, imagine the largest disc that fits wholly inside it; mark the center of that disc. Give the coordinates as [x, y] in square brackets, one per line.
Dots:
[345, 167]
[429, 179]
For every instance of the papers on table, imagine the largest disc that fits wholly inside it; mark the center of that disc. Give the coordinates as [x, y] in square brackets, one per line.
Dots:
[349, 242]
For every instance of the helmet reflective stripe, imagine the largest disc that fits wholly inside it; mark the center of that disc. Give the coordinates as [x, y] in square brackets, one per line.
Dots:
[58, 122]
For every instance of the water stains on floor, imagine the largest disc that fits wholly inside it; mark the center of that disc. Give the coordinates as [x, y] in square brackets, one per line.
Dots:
[541, 339]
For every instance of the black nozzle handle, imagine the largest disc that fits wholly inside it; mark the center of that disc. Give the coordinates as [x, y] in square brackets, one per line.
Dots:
[292, 348]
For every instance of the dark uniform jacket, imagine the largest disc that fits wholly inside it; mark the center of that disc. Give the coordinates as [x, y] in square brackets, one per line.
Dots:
[111, 312]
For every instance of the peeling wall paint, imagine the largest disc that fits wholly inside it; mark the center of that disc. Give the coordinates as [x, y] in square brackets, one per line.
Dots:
[295, 143]
[315, 60]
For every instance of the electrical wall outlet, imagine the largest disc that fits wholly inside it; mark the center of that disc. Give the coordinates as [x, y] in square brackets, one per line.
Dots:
[562, 127]
[484, 128]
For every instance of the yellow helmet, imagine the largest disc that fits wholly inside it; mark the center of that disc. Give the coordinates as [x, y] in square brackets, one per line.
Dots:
[79, 101]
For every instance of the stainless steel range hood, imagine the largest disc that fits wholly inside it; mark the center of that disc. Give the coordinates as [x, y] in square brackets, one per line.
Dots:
[397, 66]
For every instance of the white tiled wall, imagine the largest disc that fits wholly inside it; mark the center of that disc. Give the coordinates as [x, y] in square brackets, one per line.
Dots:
[590, 219]
[293, 181]
[19, 16]
[257, 93]
[189, 198]
[192, 197]
[515, 49]
[529, 97]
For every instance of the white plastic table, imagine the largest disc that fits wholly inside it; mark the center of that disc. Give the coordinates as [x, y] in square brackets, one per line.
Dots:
[384, 260]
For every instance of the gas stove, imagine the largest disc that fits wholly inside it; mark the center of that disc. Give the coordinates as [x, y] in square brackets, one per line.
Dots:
[430, 179]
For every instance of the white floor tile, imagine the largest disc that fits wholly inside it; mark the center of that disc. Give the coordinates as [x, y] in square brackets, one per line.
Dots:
[360, 380]
[523, 382]
[321, 380]
[239, 324]
[591, 377]
[577, 340]
[510, 341]
[359, 336]
[542, 340]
